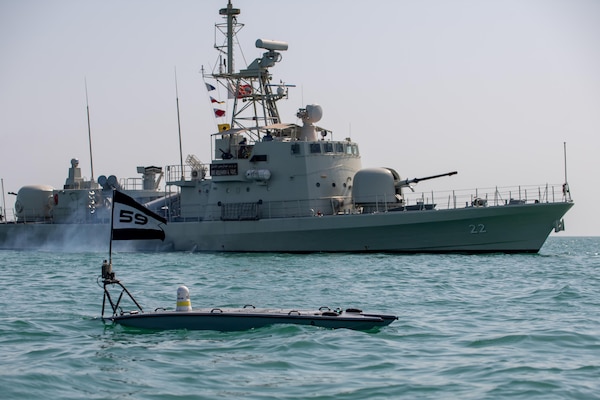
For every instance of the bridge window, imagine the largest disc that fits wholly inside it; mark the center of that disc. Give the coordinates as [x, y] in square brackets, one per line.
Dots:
[315, 148]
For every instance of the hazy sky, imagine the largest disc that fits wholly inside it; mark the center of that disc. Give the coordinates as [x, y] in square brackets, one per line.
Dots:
[489, 88]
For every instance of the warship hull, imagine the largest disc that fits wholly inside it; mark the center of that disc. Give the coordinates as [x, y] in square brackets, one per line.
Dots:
[510, 228]
[282, 187]
[515, 228]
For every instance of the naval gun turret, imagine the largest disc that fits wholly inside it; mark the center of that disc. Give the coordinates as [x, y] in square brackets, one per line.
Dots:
[380, 189]
[408, 182]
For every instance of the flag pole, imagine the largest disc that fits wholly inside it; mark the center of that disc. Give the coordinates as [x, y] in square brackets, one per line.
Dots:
[108, 276]
[565, 157]
[112, 217]
[566, 190]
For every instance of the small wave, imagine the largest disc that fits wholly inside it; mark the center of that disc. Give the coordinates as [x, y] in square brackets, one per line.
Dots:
[498, 341]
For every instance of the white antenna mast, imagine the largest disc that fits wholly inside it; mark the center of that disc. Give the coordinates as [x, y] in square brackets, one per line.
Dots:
[230, 13]
[179, 127]
[87, 104]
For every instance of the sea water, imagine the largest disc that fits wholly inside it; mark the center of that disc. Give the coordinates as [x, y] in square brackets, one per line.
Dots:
[519, 326]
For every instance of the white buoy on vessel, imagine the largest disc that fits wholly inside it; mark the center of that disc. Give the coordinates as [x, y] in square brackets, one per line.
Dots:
[183, 299]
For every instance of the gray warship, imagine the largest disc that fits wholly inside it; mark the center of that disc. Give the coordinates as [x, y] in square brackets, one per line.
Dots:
[273, 186]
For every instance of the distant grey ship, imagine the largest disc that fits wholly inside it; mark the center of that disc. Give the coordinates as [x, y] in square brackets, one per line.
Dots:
[280, 187]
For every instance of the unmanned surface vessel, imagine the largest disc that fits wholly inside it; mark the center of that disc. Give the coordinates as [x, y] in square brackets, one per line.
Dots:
[229, 319]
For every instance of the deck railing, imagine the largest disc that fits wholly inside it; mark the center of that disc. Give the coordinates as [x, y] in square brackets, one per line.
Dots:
[496, 196]
[450, 199]
[481, 197]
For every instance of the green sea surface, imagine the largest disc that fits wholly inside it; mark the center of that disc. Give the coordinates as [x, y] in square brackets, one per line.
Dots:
[491, 326]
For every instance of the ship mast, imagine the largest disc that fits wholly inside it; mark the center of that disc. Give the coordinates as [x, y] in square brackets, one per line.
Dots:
[250, 90]
[230, 13]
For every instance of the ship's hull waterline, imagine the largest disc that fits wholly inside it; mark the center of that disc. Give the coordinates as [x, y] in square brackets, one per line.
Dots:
[510, 228]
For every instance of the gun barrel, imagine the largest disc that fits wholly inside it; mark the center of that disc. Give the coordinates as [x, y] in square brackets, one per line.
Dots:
[407, 182]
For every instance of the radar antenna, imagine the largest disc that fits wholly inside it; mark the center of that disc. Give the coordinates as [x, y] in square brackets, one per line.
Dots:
[254, 100]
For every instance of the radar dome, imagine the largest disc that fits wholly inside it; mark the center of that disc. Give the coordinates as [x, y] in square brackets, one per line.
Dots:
[314, 113]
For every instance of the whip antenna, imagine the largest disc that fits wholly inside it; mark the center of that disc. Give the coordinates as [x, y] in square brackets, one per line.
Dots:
[87, 104]
[179, 127]
[566, 190]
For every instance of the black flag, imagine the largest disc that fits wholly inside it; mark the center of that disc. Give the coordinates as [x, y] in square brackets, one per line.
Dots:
[132, 221]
